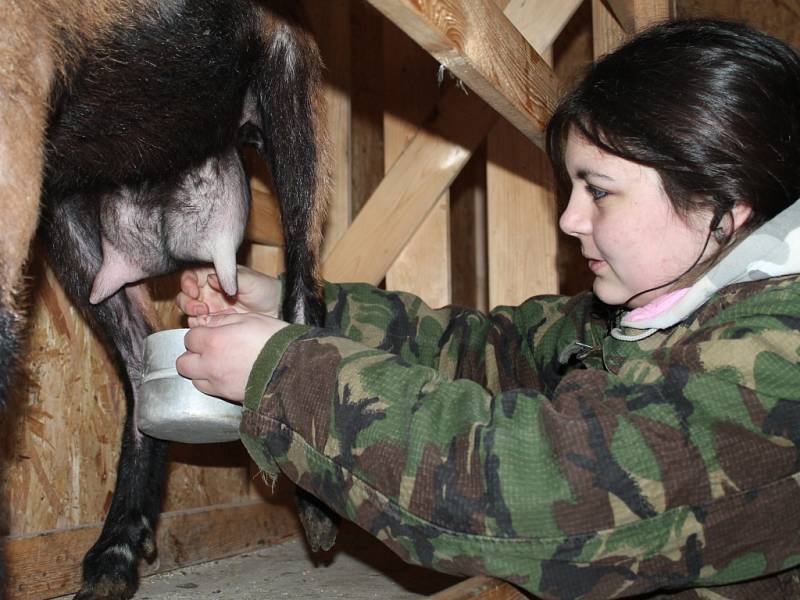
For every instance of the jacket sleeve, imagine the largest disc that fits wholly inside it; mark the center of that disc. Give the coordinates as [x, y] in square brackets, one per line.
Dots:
[679, 469]
[453, 340]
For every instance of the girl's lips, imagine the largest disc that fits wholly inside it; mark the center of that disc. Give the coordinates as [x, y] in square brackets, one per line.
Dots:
[596, 264]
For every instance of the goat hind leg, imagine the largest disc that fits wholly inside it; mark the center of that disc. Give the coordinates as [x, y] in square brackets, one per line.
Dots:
[110, 568]
[288, 91]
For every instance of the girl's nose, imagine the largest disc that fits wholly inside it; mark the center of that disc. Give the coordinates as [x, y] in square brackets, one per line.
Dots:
[576, 218]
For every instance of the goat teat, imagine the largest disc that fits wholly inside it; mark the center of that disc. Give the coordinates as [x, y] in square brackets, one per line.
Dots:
[152, 230]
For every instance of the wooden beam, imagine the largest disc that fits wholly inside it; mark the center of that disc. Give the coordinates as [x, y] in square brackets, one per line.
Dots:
[521, 207]
[423, 172]
[49, 564]
[478, 44]
[649, 12]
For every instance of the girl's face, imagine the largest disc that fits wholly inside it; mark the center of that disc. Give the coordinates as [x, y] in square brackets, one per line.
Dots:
[629, 231]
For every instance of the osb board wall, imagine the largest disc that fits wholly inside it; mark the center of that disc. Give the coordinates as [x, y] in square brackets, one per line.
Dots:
[64, 442]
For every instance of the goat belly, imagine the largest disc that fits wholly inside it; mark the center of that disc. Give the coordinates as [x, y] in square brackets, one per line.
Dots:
[156, 96]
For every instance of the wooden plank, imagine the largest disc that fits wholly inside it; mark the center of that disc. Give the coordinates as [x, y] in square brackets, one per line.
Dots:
[267, 259]
[521, 219]
[423, 266]
[607, 33]
[481, 588]
[622, 10]
[521, 211]
[635, 15]
[468, 234]
[477, 43]
[64, 420]
[775, 17]
[330, 22]
[649, 12]
[367, 103]
[48, 564]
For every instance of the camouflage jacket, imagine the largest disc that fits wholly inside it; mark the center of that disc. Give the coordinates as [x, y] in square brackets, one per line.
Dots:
[531, 445]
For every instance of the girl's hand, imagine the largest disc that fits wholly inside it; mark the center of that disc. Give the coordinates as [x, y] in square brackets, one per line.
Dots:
[201, 294]
[221, 351]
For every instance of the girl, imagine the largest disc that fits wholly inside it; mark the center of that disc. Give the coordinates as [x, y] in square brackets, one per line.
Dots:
[642, 438]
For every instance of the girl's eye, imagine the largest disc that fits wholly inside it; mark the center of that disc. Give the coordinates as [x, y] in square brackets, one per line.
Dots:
[595, 193]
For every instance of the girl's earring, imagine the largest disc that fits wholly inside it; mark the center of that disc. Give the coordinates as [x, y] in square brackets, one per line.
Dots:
[719, 235]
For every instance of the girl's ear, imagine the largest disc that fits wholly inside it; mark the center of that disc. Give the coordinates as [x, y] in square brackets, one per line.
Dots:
[741, 213]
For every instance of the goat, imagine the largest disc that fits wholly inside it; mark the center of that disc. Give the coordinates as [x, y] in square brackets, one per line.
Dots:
[110, 106]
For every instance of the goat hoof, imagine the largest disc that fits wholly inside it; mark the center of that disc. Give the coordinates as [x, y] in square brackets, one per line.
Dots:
[106, 588]
[111, 567]
[110, 575]
[320, 523]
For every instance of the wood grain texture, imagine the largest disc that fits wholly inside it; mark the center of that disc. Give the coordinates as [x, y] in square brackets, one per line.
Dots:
[478, 44]
[264, 224]
[520, 207]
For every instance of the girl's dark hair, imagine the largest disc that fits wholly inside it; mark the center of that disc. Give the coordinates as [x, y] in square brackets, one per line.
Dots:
[712, 106]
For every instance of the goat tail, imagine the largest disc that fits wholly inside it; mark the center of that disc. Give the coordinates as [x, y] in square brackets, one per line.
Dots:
[287, 87]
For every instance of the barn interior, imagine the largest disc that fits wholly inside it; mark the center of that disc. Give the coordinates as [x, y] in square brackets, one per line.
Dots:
[436, 112]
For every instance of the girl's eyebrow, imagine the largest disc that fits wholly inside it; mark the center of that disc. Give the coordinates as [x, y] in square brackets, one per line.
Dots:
[584, 173]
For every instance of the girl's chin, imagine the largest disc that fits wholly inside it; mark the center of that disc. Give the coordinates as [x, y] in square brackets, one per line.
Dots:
[609, 293]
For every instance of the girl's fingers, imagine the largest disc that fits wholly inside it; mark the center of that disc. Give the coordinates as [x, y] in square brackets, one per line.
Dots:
[190, 365]
[196, 339]
[213, 282]
[189, 284]
[189, 306]
[204, 386]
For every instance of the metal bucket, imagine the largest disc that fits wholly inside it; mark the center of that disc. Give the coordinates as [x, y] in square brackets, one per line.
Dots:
[170, 407]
